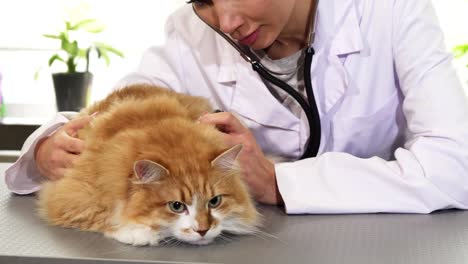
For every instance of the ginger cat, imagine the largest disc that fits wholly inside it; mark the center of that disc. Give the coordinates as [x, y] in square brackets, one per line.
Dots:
[151, 172]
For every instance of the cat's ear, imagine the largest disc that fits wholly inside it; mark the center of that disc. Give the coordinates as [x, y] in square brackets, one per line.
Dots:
[227, 159]
[147, 171]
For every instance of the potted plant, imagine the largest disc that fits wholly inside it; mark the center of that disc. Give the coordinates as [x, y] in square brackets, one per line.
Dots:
[72, 86]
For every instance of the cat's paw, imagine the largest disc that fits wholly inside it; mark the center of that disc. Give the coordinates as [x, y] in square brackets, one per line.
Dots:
[137, 235]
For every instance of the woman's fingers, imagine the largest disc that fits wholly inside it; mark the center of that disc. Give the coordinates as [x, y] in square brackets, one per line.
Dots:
[72, 145]
[69, 160]
[72, 127]
[60, 151]
[225, 121]
[58, 166]
[233, 131]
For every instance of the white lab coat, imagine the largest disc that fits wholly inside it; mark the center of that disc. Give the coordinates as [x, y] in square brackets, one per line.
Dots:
[394, 115]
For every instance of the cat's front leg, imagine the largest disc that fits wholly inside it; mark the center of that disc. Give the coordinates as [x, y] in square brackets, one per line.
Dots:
[135, 234]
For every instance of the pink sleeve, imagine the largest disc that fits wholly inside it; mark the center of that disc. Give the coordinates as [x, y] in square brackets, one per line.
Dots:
[23, 176]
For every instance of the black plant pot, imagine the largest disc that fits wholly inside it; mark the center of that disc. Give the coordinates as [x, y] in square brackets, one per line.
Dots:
[71, 90]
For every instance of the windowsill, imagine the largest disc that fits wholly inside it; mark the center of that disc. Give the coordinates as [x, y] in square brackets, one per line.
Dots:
[28, 114]
[9, 156]
[20, 122]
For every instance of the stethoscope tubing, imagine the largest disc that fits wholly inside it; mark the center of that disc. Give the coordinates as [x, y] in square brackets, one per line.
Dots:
[315, 128]
[309, 108]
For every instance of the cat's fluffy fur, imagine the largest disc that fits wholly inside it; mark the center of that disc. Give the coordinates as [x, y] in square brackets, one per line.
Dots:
[144, 151]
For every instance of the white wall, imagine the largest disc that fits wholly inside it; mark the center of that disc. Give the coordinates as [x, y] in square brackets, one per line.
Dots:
[132, 25]
[453, 17]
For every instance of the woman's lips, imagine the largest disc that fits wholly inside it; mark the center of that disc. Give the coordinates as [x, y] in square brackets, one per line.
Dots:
[250, 39]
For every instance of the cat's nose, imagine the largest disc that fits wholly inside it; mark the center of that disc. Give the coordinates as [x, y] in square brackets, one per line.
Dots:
[202, 232]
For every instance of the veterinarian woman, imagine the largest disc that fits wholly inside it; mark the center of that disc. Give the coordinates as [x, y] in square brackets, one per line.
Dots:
[393, 115]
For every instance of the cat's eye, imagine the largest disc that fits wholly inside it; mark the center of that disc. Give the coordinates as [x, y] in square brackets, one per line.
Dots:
[215, 201]
[177, 207]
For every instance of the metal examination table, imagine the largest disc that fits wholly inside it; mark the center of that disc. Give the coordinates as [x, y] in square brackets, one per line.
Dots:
[441, 237]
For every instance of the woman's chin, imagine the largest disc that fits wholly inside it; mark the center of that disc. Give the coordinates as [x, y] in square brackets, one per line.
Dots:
[260, 44]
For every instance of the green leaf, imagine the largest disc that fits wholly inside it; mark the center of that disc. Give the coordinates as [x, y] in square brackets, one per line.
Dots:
[71, 48]
[52, 36]
[103, 54]
[107, 48]
[36, 74]
[64, 37]
[82, 23]
[82, 53]
[461, 50]
[89, 25]
[54, 58]
[96, 30]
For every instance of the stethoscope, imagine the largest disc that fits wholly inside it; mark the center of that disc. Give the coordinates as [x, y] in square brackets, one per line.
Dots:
[309, 106]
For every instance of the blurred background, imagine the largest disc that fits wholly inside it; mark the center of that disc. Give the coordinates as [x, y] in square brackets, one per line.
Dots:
[130, 26]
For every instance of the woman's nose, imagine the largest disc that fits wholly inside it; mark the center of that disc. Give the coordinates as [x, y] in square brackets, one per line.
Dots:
[221, 16]
[229, 21]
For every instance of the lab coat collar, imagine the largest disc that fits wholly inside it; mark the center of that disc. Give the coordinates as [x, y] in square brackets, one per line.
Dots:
[348, 37]
[344, 38]
[227, 67]
[200, 36]
[338, 36]
[253, 101]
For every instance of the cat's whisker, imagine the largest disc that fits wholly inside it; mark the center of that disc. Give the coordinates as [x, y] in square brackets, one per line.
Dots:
[226, 238]
[260, 233]
[266, 234]
[120, 250]
[252, 230]
[168, 240]
[174, 242]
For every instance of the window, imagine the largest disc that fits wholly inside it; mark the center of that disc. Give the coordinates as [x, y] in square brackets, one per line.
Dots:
[131, 26]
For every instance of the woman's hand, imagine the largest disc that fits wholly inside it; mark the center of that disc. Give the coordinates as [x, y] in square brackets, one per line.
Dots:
[60, 150]
[258, 172]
